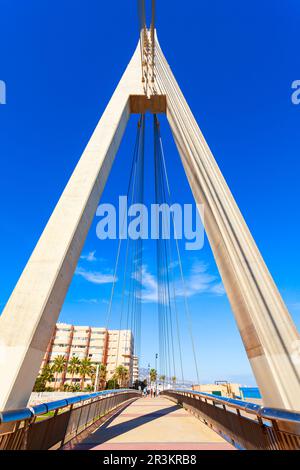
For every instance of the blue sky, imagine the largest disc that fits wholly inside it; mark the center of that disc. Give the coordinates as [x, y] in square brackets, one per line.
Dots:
[235, 63]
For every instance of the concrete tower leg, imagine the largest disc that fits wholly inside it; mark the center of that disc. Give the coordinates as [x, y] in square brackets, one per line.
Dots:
[29, 318]
[267, 330]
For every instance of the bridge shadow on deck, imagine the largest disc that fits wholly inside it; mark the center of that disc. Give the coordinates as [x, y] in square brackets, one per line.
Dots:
[105, 433]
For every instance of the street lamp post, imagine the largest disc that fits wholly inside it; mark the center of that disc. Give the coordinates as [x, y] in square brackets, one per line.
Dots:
[96, 378]
[156, 357]
[149, 378]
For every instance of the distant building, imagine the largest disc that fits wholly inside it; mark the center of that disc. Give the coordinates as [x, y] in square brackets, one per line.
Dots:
[221, 389]
[108, 347]
[135, 371]
[119, 351]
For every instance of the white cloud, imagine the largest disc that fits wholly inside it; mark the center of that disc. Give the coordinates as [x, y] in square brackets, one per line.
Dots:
[149, 285]
[196, 282]
[295, 306]
[218, 289]
[88, 301]
[173, 264]
[92, 301]
[94, 277]
[89, 257]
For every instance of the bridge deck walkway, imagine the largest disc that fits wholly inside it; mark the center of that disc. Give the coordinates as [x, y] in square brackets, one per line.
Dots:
[153, 424]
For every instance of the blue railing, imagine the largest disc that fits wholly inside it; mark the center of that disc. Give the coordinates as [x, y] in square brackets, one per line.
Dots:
[29, 412]
[276, 414]
[69, 418]
[267, 429]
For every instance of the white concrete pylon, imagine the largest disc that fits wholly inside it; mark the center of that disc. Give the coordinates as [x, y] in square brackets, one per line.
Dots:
[29, 318]
[267, 330]
[26, 325]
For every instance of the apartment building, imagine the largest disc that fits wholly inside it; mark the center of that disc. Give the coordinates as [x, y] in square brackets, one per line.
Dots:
[135, 370]
[109, 347]
[119, 352]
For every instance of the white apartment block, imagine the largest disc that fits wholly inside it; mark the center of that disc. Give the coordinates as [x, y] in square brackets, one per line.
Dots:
[135, 369]
[109, 347]
[119, 351]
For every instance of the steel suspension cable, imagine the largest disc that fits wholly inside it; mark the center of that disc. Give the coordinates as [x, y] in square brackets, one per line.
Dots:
[166, 327]
[187, 311]
[167, 282]
[131, 178]
[136, 177]
[134, 255]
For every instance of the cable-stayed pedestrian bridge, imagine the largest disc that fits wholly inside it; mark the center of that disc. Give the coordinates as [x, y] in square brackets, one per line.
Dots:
[269, 336]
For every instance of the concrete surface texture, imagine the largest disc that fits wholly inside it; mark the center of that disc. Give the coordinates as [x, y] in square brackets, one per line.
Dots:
[154, 424]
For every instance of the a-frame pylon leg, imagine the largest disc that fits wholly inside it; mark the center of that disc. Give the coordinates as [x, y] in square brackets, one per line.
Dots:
[267, 330]
[28, 320]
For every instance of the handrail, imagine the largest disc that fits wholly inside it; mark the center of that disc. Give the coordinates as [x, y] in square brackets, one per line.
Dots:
[276, 414]
[30, 412]
[280, 415]
[266, 429]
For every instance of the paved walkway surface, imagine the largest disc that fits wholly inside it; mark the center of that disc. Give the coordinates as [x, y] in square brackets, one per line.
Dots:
[153, 424]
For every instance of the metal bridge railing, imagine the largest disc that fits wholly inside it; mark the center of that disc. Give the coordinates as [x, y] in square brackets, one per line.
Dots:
[33, 428]
[246, 425]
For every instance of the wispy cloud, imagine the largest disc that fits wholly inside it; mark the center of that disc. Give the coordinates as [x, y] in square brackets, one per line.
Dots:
[198, 281]
[89, 257]
[295, 306]
[92, 301]
[218, 289]
[88, 301]
[95, 277]
[173, 264]
[149, 291]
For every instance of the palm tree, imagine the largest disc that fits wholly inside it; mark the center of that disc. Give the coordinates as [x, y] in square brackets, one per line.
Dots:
[122, 374]
[47, 373]
[126, 377]
[45, 376]
[102, 376]
[86, 369]
[59, 366]
[153, 375]
[74, 367]
[112, 383]
[174, 380]
[74, 388]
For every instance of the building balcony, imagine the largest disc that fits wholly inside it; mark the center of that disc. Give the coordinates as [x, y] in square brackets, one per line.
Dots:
[97, 342]
[56, 349]
[82, 344]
